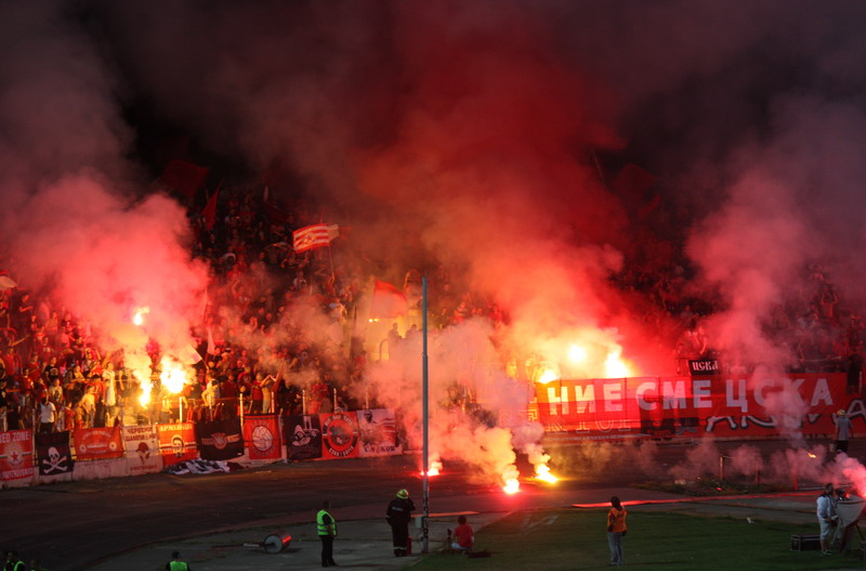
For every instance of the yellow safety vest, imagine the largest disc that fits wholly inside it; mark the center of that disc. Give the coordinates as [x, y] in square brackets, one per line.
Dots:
[325, 529]
[178, 566]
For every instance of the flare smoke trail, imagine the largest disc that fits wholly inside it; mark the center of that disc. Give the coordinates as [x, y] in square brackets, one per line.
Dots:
[72, 227]
[465, 133]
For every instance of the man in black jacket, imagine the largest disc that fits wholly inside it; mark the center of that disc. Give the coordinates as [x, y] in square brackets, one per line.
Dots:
[399, 515]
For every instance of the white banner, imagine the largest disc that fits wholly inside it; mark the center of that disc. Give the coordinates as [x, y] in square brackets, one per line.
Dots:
[142, 450]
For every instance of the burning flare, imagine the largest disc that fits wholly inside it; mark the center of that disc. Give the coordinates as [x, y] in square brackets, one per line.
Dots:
[138, 315]
[512, 486]
[173, 376]
[542, 472]
[576, 354]
[146, 387]
[614, 366]
[547, 376]
[435, 469]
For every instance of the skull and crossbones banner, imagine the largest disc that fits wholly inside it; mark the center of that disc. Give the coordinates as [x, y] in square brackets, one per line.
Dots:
[53, 453]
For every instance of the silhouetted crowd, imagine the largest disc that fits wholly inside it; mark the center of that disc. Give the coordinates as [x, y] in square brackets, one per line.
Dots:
[278, 332]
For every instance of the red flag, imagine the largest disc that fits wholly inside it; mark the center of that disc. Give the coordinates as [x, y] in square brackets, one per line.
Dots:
[211, 346]
[314, 236]
[209, 211]
[183, 177]
[388, 301]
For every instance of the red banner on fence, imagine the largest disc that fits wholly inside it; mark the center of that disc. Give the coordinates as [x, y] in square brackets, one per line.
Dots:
[177, 442]
[98, 443]
[691, 406]
[16, 455]
[339, 435]
[262, 437]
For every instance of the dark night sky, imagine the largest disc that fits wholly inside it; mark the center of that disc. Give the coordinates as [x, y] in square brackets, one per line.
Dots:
[456, 122]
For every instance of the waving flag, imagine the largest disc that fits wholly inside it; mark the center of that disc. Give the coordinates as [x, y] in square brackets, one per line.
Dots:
[388, 301]
[314, 236]
[209, 211]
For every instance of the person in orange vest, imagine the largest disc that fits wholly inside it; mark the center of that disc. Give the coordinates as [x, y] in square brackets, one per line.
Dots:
[616, 530]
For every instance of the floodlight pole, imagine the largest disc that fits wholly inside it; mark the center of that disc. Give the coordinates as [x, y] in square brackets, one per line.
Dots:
[425, 546]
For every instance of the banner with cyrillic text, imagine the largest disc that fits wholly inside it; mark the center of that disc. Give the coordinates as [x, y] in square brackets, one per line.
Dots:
[16, 455]
[177, 442]
[668, 407]
[98, 443]
[378, 433]
[340, 436]
[142, 450]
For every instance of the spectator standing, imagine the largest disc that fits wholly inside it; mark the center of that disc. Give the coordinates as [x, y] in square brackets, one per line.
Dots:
[464, 537]
[616, 530]
[326, 528]
[47, 415]
[111, 400]
[86, 409]
[399, 514]
[318, 396]
[176, 564]
[843, 431]
[825, 514]
[55, 393]
[256, 394]
[267, 387]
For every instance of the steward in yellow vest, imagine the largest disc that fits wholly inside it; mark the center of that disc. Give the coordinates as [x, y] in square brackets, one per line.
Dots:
[176, 564]
[326, 528]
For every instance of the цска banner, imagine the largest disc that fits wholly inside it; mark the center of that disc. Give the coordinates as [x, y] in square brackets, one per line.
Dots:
[692, 406]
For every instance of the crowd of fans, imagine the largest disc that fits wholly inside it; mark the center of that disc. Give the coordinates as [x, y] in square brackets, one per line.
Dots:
[818, 330]
[277, 334]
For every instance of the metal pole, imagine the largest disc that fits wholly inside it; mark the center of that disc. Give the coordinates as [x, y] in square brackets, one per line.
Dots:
[426, 479]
